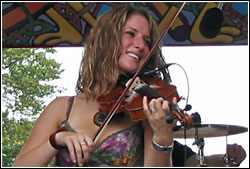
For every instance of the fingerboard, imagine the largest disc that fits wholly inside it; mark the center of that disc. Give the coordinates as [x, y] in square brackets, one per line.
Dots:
[145, 90]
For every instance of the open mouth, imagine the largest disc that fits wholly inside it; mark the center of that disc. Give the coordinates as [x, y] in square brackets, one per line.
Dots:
[134, 56]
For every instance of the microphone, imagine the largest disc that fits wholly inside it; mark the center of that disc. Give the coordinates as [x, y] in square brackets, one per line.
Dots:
[211, 22]
[151, 72]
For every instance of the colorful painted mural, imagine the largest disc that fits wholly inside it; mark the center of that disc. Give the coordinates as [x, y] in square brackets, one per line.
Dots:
[50, 24]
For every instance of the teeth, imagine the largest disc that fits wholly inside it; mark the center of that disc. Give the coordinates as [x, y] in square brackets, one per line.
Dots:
[134, 56]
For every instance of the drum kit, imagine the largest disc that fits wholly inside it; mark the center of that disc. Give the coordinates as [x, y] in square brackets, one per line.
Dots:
[201, 131]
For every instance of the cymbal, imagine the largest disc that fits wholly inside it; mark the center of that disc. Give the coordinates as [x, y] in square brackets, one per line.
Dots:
[210, 130]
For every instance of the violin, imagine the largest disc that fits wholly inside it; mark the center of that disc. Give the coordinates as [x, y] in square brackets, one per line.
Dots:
[132, 104]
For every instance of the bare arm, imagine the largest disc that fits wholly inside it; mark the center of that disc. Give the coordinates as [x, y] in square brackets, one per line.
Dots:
[211, 161]
[153, 157]
[235, 152]
[215, 160]
[37, 150]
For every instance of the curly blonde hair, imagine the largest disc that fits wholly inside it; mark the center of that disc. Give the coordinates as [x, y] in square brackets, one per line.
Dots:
[100, 59]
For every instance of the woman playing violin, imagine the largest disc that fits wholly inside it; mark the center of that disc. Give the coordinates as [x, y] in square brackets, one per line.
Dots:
[118, 45]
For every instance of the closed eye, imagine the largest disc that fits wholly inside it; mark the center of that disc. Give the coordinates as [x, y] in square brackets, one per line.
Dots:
[146, 39]
[130, 33]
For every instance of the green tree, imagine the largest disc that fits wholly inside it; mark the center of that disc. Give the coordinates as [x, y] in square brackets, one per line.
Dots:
[15, 134]
[26, 73]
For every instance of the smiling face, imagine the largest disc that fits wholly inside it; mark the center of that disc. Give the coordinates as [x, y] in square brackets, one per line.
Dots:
[135, 43]
[119, 42]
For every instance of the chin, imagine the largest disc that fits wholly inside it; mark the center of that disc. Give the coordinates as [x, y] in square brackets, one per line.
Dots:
[129, 69]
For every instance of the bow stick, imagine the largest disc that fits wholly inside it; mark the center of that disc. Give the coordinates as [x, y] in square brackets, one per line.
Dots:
[118, 102]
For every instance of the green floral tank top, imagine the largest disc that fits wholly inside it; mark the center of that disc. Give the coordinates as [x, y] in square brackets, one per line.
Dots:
[121, 149]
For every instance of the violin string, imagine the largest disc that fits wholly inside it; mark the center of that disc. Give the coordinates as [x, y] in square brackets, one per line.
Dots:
[146, 90]
[140, 89]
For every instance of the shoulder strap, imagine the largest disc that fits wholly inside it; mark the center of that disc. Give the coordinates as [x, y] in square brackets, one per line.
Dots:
[70, 103]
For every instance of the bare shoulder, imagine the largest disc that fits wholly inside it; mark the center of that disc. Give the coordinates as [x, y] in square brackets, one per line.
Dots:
[59, 102]
[80, 97]
[47, 123]
[56, 109]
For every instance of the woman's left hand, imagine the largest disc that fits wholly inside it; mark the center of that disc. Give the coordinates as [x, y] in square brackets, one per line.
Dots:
[157, 110]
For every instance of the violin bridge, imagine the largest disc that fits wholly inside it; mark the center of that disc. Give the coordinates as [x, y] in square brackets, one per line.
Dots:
[136, 82]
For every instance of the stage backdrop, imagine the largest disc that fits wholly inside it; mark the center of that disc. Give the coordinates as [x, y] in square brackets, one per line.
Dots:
[50, 24]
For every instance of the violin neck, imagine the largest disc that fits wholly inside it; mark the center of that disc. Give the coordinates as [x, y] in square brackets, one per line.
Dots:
[145, 90]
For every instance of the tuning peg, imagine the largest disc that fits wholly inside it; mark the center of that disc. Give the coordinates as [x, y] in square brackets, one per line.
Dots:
[176, 127]
[170, 119]
[187, 107]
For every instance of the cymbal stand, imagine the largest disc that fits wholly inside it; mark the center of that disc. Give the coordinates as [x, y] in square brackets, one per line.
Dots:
[226, 158]
[200, 144]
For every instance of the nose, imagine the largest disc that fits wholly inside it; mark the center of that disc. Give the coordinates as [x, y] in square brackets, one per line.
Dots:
[139, 42]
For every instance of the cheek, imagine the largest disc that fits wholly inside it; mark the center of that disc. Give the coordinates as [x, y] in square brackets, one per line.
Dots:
[145, 54]
[125, 64]
[125, 42]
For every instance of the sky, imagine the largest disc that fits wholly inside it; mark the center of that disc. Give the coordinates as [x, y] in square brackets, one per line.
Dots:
[218, 79]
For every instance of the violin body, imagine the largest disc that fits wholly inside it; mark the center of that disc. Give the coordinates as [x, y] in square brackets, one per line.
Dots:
[107, 101]
[133, 106]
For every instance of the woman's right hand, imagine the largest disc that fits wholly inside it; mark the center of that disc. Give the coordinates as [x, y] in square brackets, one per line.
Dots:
[78, 144]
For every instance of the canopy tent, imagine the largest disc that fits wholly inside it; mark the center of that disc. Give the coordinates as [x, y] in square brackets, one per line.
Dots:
[54, 24]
